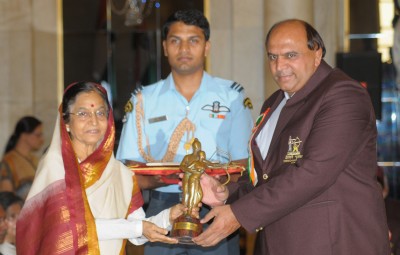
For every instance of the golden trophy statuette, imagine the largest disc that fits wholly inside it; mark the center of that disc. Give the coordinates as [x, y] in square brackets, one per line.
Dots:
[193, 166]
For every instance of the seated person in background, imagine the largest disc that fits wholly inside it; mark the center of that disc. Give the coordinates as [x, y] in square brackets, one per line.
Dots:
[392, 212]
[82, 200]
[19, 162]
[12, 205]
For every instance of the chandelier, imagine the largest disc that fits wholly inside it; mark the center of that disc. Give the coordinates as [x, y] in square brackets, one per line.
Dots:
[134, 10]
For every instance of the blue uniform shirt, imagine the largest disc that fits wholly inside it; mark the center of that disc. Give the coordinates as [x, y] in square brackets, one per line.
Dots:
[217, 110]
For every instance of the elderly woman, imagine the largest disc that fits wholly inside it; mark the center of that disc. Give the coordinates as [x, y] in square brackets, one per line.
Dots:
[84, 201]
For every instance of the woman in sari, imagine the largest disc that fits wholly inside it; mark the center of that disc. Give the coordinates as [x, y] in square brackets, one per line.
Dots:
[84, 201]
[19, 162]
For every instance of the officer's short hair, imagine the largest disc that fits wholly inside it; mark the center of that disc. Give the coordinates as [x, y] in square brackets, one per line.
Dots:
[189, 17]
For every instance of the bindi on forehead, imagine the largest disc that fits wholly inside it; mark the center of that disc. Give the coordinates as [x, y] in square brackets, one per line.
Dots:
[90, 105]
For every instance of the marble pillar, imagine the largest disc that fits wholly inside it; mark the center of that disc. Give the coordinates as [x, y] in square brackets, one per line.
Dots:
[237, 51]
[30, 63]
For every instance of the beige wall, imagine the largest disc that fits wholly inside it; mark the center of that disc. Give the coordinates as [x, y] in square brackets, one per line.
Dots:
[28, 63]
[237, 53]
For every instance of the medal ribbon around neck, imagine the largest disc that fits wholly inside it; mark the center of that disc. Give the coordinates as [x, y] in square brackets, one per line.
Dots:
[251, 168]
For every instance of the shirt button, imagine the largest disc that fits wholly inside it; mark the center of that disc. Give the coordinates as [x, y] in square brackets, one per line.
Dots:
[265, 176]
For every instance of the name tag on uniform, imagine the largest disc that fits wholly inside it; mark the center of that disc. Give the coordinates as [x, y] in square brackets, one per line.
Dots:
[157, 119]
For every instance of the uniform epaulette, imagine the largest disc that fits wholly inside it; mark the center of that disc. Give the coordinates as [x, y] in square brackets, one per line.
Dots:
[236, 86]
[129, 105]
[137, 90]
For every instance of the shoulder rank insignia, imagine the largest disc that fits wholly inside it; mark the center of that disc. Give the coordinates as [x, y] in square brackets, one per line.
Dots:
[137, 90]
[129, 106]
[247, 103]
[236, 86]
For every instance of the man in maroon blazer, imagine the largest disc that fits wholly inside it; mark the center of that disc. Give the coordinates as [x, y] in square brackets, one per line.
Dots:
[312, 186]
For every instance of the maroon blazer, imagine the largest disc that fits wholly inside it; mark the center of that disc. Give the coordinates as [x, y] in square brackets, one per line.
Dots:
[317, 192]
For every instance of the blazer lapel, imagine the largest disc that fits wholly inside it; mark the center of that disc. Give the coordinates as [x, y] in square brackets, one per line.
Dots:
[255, 149]
[286, 114]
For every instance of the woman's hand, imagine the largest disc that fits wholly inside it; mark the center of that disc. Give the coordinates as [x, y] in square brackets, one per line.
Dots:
[179, 209]
[176, 211]
[156, 234]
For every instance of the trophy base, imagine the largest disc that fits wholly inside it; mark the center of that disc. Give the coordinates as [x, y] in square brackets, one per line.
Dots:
[185, 240]
[185, 228]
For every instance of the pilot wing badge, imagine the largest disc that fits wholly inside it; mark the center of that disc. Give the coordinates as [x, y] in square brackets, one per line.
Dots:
[216, 108]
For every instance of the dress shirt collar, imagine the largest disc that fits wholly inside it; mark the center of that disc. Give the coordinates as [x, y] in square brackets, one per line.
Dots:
[169, 84]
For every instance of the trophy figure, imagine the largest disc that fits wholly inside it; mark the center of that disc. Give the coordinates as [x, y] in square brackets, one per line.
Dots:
[193, 166]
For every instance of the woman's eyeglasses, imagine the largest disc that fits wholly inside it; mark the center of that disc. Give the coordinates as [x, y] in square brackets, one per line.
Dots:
[85, 115]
